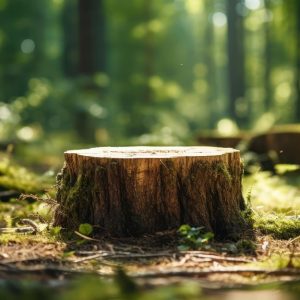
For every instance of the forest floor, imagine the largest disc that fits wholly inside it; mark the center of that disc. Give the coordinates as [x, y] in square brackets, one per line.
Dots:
[36, 258]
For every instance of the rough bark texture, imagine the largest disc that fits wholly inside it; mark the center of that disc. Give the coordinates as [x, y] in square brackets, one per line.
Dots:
[135, 190]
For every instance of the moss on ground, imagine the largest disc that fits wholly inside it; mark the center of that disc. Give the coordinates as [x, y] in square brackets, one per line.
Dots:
[19, 179]
[280, 226]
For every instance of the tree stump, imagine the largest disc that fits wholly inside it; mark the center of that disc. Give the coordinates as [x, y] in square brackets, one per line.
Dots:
[128, 191]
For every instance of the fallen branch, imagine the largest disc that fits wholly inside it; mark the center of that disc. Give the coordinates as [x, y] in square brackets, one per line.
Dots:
[27, 229]
[129, 255]
[202, 273]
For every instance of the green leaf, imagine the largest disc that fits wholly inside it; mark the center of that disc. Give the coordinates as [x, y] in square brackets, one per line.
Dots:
[184, 229]
[85, 229]
[208, 236]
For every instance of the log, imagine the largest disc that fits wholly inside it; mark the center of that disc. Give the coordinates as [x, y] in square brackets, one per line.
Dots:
[129, 191]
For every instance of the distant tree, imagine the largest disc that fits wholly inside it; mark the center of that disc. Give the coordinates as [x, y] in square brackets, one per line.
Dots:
[210, 63]
[236, 68]
[24, 27]
[148, 51]
[292, 17]
[91, 36]
[268, 58]
[70, 38]
[297, 60]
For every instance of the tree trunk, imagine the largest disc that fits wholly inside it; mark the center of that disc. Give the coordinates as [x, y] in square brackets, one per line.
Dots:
[134, 190]
[268, 60]
[298, 62]
[91, 36]
[70, 39]
[236, 72]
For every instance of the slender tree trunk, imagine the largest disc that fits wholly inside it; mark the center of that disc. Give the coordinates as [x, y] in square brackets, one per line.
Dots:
[268, 60]
[149, 52]
[70, 40]
[91, 36]
[211, 74]
[236, 74]
[298, 62]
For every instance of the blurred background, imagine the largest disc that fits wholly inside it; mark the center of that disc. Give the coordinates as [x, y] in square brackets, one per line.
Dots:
[77, 73]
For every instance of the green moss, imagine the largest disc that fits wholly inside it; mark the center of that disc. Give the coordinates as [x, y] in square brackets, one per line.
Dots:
[279, 226]
[25, 238]
[73, 196]
[19, 179]
[222, 169]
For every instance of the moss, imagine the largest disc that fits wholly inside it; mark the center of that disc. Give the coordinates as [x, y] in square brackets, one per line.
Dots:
[222, 169]
[26, 238]
[19, 179]
[278, 225]
[72, 196]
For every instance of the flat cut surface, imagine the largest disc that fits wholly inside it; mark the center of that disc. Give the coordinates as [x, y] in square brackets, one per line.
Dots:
[152, 152]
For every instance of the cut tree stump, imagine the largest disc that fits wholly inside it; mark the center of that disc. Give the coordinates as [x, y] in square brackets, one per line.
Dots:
[128, 191]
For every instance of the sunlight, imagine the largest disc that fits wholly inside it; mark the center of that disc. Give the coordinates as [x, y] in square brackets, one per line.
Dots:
[27, 46]
[227, 127]
[219, 19]
[193, 6]
[252, 4]
[26, 133]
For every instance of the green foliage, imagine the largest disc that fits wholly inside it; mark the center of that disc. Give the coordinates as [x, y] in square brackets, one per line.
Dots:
[194, 238]
[85, 229]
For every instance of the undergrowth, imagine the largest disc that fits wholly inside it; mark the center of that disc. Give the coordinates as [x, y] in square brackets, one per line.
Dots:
[19, 179]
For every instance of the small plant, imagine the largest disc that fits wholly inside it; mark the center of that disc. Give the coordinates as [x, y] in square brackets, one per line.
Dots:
[194, 238]
[85, 229]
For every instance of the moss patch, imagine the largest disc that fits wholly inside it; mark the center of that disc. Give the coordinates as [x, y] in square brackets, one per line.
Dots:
[19, 179]
[279, 226]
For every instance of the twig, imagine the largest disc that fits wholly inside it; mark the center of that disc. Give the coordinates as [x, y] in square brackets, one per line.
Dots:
[166, 254]
[294, 240]
[31, 223]
[222, 258]
[26, 229]
[87, 258]
[108, 255]
[86, 237]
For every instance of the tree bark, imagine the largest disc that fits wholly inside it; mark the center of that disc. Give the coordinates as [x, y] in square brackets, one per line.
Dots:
[135, 190]
[297, 61]
[91, 36]
[236, 72]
